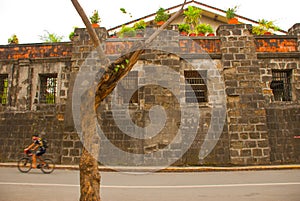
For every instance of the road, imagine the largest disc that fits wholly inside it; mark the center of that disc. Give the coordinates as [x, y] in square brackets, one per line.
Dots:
[63, 185]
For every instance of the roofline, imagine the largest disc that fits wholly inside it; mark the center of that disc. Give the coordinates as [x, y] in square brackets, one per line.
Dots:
[241, 18]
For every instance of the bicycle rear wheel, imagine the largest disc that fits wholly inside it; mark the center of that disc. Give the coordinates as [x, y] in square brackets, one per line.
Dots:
[48, 166]
[24, 165]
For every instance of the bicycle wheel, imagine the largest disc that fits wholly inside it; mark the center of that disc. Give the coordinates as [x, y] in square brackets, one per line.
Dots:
[24, 165]
[48, 166]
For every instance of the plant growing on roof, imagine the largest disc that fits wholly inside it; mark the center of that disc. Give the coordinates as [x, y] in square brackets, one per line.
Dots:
[183, 28]
[139, 28]
[139, 25]
[264, 27]
[192, 16]
[230, 15]
[161, 15]
[13, 39]
[51, 37]
[127, 32]
[95, 19]
[203, 29]
[72, 34]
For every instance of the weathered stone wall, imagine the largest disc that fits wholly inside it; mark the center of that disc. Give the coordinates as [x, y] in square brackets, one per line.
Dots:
[283, 126]
[16, 129]
[23, 115]
[245, 102]
[257, 130]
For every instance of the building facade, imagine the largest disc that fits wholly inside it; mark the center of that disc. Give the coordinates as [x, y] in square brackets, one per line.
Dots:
[259, 78]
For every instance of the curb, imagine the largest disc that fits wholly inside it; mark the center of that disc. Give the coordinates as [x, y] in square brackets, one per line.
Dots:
[175, 169]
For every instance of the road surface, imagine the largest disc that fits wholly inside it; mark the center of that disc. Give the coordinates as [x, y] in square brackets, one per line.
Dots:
[63, 185]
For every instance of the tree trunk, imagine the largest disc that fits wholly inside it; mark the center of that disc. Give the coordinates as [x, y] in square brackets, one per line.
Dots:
[89, 173]
[89, 177]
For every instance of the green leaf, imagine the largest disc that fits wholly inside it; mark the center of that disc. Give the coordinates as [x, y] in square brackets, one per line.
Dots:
[123, 10]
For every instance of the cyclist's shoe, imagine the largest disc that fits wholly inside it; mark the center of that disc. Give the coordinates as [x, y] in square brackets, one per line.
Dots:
[39, 166]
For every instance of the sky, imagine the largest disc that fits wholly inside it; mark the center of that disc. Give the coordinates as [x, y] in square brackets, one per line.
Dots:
[30, 19]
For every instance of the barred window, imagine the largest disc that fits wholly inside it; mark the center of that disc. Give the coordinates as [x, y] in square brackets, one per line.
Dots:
[281, 85]
[196, 92]
[127, 88]
[48, 88]
[3, 89]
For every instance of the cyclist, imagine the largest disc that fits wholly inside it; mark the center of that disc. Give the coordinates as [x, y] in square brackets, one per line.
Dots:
[36, 145]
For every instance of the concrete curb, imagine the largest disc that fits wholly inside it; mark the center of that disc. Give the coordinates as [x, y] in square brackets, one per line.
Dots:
[176, 169]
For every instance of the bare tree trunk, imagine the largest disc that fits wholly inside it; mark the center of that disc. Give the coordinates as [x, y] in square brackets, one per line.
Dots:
[89, 177]
[89, 173]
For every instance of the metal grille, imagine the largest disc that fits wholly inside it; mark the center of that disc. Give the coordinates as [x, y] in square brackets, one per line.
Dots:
[3, 89]
[196, 92]
[127, 88]
[48, 88]
[281, 85]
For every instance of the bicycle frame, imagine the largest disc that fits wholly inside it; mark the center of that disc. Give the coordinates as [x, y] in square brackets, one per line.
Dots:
[25, 164]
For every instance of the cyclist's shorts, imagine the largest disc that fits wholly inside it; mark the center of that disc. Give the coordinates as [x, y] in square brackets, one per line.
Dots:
[40, 152]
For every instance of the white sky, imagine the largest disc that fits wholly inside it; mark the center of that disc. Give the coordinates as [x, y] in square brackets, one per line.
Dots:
[29, 18]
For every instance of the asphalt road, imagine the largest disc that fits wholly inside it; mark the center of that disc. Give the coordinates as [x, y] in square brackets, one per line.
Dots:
[63, 185]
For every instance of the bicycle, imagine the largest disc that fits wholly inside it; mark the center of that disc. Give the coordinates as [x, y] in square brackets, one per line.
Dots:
[25, 164]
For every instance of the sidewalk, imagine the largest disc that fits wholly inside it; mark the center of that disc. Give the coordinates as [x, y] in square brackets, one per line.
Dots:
[176, 169]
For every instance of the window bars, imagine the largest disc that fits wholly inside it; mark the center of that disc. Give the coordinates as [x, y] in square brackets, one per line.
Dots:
[3, 89]
[281, 85]
[48, 88]
[195, 89]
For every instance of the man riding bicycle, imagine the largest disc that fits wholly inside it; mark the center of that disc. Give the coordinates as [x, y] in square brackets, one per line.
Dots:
[36, 145]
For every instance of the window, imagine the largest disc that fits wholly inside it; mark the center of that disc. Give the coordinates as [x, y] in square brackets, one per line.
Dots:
[127, 88]
[48, 88]
[281, 85]
[3, 89]
[196, 92]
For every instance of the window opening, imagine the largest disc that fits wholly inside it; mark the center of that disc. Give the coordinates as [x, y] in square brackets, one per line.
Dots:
[197, 91]
[3, 89]
[281, 85]
[48, 88]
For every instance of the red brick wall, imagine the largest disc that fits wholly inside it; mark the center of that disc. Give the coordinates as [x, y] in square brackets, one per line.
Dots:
[276, 44]
[38, 50]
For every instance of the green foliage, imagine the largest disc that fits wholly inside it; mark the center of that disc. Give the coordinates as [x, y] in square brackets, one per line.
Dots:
[204, 28]
[139, 25]
[127, 32]
[231, 12]
[13, 39]
[192, 16]
[3, 96]
[122, 66]
[125, 12]
[72, 34]
[95, 19]
[50, 99]
[161, 15]
[51, 37]
[183, 27]
[264, 26]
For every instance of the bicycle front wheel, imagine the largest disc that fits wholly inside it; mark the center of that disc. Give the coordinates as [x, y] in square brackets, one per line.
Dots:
[48, 166]
[24, 165]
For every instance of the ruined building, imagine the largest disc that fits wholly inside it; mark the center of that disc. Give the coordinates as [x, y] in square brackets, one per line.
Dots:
[259, 80]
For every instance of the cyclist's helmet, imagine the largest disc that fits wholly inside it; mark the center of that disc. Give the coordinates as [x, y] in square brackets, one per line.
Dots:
[35, 137]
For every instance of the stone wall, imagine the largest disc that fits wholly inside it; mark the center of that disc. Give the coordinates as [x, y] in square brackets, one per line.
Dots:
[23, 114]
[16, 129]
[245, 102]
[283, 126]
[258, 129]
